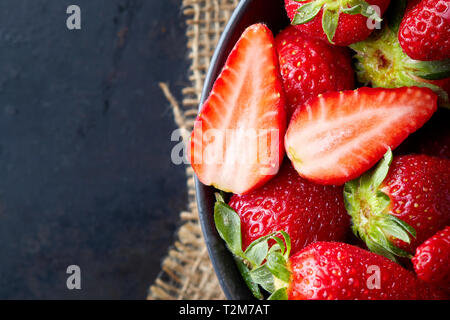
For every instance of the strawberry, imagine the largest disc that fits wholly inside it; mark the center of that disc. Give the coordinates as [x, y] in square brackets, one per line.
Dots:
[381, 62]
[339, 22]
[425, 30]
[339, 271]
[432, 259]
[307, 211]
[309, 67]
[400, 203]
[339, 135]
[237, 141]
[438, 148]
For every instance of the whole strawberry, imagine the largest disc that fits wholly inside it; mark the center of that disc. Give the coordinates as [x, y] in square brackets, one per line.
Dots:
[310, 67]
[432, 260]
[339, 22]
[400, 204]
[425, 30]
[338, 271]
[338, 136]
[307, 211]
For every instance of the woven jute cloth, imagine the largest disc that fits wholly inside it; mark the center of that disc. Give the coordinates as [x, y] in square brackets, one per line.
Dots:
[187, 273]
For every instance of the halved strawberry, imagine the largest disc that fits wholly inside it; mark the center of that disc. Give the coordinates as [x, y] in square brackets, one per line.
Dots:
[237, 141]
[339, 135]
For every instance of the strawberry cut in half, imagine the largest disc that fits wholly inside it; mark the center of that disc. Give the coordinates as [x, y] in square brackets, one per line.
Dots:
[237, 141]
[338, 136]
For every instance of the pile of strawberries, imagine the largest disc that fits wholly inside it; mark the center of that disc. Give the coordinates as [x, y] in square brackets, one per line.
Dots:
[312, 145]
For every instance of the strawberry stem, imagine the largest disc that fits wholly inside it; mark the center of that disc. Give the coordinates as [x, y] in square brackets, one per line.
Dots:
[382, 63]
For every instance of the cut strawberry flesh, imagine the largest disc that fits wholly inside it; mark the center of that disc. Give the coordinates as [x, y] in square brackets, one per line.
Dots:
[237, 141]
[338, 136]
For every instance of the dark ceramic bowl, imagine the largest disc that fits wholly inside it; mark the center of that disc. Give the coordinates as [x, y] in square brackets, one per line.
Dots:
[247, 13]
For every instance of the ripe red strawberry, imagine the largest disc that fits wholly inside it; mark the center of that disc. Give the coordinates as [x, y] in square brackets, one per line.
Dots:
[339, 22]
[338, 136]
[400, 204]
[432, 260]
[338, 271]
[306, 211]
[309, 67]
[237, 141]
[381, 63]
[425, 30]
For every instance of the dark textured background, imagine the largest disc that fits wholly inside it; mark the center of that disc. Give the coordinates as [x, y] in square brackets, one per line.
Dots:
[85, 171]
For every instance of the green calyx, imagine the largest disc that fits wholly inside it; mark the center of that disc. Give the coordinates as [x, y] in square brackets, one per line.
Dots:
[381, 62]
[369, 209]
[260, 265]
[331, 11]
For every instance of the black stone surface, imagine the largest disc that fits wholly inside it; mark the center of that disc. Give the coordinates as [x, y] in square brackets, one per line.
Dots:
[85, 170]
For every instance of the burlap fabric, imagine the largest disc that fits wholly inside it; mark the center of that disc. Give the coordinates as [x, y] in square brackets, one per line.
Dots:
[187, 273]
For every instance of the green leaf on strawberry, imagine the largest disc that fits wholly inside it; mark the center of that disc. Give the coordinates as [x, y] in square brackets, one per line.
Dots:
[280, 294]
[263, 277]
[330, 20]
[276, 263]
[363, 8]
[246, 275]
[369, 208]
[257, 251]
[307, 12]
[436, 70]
[228, 224]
